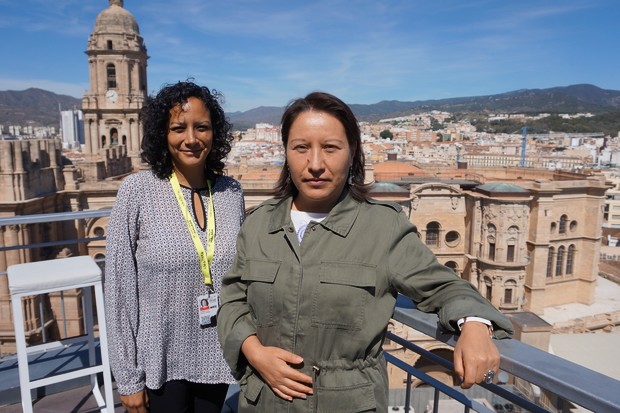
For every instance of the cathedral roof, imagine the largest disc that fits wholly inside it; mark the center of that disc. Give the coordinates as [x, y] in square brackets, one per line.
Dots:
[116, 19]
[497, 188]
[388, 187]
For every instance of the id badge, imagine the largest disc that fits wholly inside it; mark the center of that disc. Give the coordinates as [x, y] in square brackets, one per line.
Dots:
[207, 309]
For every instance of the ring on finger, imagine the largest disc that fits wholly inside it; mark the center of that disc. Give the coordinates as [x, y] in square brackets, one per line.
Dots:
[489, 376]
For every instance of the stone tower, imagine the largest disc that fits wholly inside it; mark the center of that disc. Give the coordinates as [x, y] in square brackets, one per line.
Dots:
[117, 66]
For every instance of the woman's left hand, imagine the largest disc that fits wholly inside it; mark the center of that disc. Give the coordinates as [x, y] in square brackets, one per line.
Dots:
[475, 354]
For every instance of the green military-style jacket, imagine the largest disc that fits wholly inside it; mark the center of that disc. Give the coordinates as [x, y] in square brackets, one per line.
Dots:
[330, 299]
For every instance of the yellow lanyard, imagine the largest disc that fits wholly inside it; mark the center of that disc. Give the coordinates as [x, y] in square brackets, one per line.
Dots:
[205, 257]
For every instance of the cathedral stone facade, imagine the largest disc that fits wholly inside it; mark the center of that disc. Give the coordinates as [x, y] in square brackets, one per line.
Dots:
[526, 244]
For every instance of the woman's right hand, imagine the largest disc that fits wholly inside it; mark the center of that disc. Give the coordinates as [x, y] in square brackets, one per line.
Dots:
[136, 403]
[273, 365]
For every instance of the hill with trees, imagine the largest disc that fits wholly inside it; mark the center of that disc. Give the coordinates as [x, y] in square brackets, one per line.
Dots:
[40, 107]
[34, 106]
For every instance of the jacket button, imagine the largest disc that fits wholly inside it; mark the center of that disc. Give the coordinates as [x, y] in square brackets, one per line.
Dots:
[290, 229]
[313, 228]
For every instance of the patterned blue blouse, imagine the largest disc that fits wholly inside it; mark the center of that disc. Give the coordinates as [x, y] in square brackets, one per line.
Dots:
[153, 281]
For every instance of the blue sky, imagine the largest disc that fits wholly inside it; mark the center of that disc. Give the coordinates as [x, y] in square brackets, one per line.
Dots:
[264, 53]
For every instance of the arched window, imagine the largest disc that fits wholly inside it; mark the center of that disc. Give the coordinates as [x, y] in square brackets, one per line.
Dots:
[550, 255]
[559, 260]
[553, 227]
[570, 257]
[452, 265]
[563, 221]
[113, 137]
[432, 234]
[573, 226]
[111, 72]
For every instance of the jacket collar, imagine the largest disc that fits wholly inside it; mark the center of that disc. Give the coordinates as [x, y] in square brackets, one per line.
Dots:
[339, 220]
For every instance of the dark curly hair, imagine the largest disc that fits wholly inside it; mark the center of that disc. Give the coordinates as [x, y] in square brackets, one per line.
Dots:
[155, 117]
[330, 104]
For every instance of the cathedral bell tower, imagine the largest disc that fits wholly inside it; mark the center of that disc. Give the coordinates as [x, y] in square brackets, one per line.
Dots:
[117, 66]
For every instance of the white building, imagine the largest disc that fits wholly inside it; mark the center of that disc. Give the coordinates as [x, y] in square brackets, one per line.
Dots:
[72, 124]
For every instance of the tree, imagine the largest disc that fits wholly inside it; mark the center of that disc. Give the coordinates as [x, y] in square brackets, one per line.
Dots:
[435, 124]
[386, 134]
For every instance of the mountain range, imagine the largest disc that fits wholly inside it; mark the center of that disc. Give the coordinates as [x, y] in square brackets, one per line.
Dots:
[41, 107]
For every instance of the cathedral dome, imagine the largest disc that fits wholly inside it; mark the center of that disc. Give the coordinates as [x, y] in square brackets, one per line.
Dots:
[115, 19]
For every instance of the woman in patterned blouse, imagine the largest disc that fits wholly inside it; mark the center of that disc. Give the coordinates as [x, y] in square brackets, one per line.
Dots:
[171, 238]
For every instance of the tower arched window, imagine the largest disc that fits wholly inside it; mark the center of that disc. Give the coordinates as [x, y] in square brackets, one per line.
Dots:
[432, 234]
[563, 222]
[550, 255]
[559, 260]
[570, 259]
[111, 75]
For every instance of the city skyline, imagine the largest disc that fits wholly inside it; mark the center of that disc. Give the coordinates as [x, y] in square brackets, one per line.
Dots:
[264, 54]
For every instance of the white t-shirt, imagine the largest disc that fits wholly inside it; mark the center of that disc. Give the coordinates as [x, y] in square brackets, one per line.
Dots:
[301, 219]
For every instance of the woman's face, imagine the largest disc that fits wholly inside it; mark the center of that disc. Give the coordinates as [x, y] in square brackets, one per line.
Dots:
[319, 157]
[190, 134]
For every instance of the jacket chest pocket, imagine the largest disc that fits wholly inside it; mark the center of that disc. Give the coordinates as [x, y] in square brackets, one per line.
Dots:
[342, 295]
[259, 278]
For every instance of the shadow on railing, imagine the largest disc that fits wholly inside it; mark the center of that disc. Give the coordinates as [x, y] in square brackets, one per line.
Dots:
[563, 382]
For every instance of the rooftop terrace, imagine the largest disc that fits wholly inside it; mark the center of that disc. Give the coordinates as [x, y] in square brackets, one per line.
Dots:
[534, 380]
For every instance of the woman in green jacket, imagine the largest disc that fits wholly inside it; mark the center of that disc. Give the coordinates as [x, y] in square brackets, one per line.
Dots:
[305, 307]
